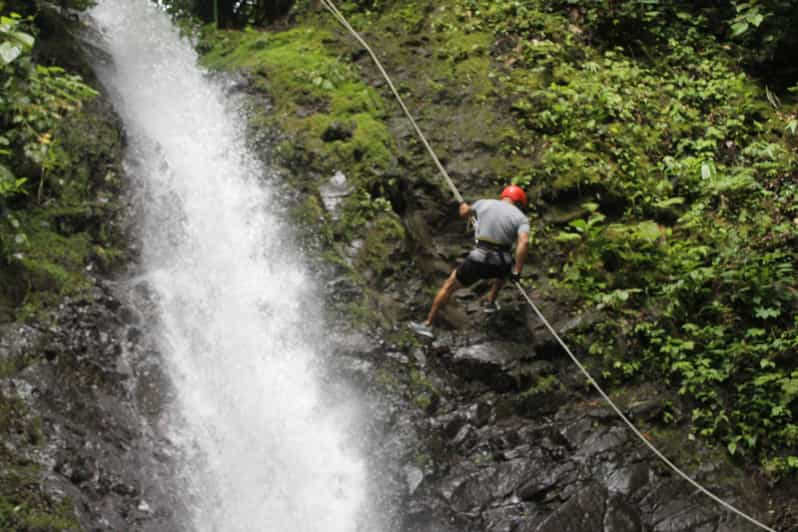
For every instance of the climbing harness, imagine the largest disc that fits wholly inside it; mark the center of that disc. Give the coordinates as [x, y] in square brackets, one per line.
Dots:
[330, 6]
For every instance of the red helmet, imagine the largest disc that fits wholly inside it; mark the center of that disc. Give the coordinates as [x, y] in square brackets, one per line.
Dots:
[516, 194]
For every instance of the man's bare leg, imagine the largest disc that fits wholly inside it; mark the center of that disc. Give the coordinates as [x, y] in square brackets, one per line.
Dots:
[494, 292]
[450, 286]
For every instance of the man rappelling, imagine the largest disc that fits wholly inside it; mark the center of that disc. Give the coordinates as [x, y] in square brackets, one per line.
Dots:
[499, 224]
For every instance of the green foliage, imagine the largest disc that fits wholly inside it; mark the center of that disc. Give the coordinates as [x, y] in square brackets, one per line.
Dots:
[313, 91]
[749, 15]
[50, 190]
[675, 168]
[23, 504]
[34, 101]
[688, 240]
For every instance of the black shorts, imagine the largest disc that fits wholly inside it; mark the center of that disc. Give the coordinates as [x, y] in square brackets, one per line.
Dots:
[480, 265]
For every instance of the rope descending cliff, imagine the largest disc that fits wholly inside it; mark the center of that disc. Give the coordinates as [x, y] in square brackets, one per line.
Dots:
[331, 7]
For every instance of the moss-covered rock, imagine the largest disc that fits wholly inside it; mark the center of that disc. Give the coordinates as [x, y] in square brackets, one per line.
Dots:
[24, 505]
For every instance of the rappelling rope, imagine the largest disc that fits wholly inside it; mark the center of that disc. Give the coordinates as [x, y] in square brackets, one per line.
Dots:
[340, 17]
[337, 14]
[631, 425]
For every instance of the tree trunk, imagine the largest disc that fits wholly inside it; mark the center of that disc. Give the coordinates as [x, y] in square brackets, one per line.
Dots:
[204, 10]
[227, 14]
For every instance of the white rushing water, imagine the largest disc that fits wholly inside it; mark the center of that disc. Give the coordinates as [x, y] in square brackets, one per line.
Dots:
[260, 451]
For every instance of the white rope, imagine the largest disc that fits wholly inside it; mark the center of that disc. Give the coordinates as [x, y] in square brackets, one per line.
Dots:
[334, 10]
[337, 14]
[631, 426]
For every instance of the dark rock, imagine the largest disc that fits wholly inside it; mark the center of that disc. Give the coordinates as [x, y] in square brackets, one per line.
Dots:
[474, 491]
[628, 480]
[602, 441]
[465, 437]
[581, 513]
[680, 515]
[357, 54]
[577, 433]
[647, 410]
[492, 363]
[621, 517]
[547, 476]
[507, 518]
[338, 131]
[479, 414]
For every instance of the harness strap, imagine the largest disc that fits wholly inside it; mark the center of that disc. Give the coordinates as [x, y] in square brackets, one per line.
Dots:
[493, 246]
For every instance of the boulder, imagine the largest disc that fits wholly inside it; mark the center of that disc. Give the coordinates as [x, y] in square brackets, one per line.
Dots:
[492, 363]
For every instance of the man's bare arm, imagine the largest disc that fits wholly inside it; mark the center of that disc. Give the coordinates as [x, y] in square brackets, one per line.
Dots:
[521, 246]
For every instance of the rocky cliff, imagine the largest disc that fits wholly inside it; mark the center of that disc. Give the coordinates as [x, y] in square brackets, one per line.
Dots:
[486, 428]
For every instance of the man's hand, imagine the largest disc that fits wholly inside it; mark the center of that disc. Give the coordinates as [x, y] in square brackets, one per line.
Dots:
[515, 276]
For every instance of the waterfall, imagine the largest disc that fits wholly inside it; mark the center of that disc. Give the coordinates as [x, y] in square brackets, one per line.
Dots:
[259, 449]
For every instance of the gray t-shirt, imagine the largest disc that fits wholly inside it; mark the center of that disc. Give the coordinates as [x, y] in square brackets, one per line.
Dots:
[499, 222]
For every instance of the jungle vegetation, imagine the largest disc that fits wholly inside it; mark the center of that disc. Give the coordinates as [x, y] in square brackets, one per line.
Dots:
[672, 128]
[667, 131]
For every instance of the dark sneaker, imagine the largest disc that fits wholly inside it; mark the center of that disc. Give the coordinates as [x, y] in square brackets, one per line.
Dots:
[491, 308]
[422, 329]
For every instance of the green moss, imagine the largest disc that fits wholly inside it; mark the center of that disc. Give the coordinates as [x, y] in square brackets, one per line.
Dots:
[292, 66]
[387, 380]
[422, 390]
[382, 241]
[90, 142]
[406, 18]
[543, 384]
[47, 242]
[311, 89]
[52, 262]
[22, 515]
[23, 506]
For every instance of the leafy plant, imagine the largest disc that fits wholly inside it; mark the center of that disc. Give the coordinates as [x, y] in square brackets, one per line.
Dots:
[749, 15]
[688, 241]
[34, 101]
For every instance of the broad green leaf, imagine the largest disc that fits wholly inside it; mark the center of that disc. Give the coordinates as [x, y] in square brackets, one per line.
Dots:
[670, 202]
[596, 219]
[767, 312]
[579, 225]
[707, 170]
[9, 52]
[23, 38]
[732, 447]
[789, 388]
[756, 20]
[648, 231]
[567, 237]
[5, 174]
[738, 28]
[766, 378]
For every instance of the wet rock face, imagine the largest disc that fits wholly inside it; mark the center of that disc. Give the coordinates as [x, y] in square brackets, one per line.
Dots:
[474, 462]
[95, 384]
